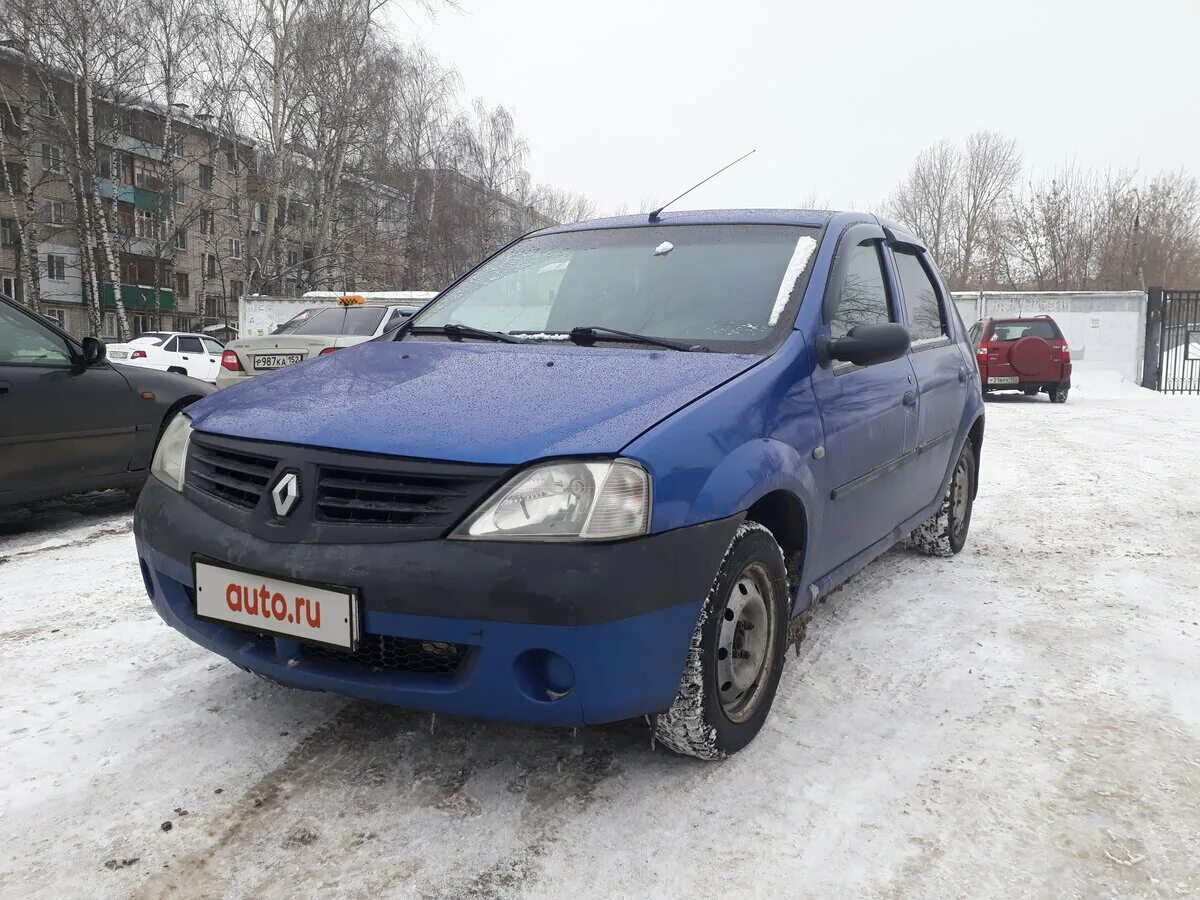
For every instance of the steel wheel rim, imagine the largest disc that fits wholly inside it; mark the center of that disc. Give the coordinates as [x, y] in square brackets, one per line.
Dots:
[960, 495]
[744, 641]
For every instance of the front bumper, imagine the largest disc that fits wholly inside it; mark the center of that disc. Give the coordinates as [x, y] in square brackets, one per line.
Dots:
[610, 622]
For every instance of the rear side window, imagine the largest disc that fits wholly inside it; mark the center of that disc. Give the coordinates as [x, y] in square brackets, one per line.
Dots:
[862, 299]
[170, 345]
[190, 345]
[926, 320]
[1014, 331]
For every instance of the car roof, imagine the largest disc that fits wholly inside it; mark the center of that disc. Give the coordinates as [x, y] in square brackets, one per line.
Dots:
[811, 218]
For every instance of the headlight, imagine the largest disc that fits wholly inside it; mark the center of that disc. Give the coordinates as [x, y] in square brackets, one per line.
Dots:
[170, 458]
[566, 501]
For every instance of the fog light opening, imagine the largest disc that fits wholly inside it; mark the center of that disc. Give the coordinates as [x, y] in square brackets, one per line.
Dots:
[146, 577]
[543, 675]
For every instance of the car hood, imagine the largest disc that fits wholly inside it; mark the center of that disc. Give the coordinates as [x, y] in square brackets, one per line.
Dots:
[468, 402]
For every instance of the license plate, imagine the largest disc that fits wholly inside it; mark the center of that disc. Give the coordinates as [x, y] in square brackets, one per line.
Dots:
[1004, 379]
[320, 614]
[277, 360]
[117, 354]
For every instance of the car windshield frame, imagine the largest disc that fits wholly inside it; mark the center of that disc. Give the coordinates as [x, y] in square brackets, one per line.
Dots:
[1030, 325]
[652, 237]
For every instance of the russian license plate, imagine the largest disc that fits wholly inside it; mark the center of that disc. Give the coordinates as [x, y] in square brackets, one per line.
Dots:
[277, 360]
[1004, 379]
[117, 354]
[321, 614]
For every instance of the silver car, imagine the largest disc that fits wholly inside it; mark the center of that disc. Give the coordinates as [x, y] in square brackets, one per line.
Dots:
[308, 335]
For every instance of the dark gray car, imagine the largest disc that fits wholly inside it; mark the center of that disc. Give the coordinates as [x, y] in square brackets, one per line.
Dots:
[70, 421]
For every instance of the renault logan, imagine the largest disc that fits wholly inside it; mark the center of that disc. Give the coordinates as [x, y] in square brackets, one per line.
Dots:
[604, 475]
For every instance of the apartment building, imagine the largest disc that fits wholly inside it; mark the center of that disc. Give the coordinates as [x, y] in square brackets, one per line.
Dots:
[188, 210]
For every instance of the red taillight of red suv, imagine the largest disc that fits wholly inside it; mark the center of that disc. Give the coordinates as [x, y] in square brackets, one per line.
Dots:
[230, 362]
[138, 354]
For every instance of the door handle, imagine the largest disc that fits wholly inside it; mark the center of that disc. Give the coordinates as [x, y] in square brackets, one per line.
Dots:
[183, 357]
[909, 398]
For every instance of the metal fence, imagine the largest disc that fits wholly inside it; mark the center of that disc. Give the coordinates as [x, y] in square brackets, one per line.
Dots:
[1172, 363]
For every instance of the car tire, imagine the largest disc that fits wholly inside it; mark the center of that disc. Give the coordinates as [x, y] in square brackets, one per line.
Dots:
[1058, 393]
[945, 532]
[178, 370]
[725, 697]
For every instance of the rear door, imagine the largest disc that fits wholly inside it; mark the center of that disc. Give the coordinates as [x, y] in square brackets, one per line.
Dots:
[61, 423]
[192, 356]
[1041, 359]
[940, 368]
[213, 351]
[868, 413]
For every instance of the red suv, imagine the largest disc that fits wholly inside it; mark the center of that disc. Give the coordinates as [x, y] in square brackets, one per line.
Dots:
[1027, 355]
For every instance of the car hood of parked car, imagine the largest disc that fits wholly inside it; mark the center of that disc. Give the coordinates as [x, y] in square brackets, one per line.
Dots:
[468, 402]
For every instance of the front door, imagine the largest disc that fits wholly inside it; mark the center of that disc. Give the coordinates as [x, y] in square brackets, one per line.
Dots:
[192, 356]
[61, 423]
[868, 412]
[941, 371]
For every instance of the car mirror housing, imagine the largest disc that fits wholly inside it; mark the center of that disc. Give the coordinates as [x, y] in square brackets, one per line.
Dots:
[94, 351]
[866, 345]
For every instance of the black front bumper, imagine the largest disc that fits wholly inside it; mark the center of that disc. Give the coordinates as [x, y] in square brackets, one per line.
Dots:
[546, 584]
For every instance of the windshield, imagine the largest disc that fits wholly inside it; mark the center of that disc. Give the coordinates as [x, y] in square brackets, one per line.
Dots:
[713, 284]
[356, 320]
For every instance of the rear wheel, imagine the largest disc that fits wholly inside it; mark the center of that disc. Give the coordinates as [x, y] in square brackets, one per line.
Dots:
[945, 533]
[1058, 393]
[736, 654]
[178, 370]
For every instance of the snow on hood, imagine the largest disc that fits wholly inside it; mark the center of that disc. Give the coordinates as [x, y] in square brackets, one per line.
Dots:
[468, 402]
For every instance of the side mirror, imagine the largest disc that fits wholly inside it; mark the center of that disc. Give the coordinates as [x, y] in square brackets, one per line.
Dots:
[93, 351]
[865, 345]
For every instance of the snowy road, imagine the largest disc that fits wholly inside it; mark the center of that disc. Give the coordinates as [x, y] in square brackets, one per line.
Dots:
[1021, 720]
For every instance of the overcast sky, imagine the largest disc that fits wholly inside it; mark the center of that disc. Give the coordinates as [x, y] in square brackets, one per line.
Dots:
[628, 101]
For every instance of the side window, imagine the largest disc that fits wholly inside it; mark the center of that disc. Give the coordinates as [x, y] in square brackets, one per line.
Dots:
[24, 342]
[171, 345]
[397, 316]
[190, 345]
[213, 347]
[862, 299]
[926, 321]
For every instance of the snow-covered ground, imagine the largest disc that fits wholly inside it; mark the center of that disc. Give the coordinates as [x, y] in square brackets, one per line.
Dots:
[1023, 719]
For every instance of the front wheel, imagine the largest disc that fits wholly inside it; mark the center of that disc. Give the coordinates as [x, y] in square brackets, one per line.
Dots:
[736, 653]
[945, 532]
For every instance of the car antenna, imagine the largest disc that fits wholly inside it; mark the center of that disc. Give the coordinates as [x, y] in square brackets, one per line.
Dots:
[654, 215]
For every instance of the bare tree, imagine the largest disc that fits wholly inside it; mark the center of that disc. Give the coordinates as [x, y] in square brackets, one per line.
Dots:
[929, 200]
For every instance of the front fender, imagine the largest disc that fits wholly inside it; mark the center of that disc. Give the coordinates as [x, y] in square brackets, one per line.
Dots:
[752, 471]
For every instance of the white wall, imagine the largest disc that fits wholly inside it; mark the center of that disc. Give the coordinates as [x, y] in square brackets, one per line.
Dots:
[1105, 329]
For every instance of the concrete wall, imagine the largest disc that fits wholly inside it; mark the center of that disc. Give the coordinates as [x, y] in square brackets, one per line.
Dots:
[1105, 329]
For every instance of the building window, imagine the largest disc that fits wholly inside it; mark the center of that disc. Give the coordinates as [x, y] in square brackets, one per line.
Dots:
[180, 238]
[206, 222]
[235, 248]
[293, 259]
[56, 267]
[109, 328]
[212, 307]
[236, 289]
[182, 287]
[55, 212]
[143, 322]
[10, 234]
[52, 160]
[231, 162]
[145, 174]
[57, 316]
[206, 177]
[146, 224]
[260, 213]
[10, 120]
[180, 193]
[211, 265]
[49, 104]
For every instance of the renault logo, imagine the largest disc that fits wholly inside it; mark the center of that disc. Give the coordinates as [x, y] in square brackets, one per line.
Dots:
[285, 493]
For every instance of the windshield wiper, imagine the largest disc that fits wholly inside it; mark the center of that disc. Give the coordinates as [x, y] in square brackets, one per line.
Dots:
[457, 330]
[586, 335]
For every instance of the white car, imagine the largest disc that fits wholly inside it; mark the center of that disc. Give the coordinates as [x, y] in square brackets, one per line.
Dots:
[197, 355]
[312, 333]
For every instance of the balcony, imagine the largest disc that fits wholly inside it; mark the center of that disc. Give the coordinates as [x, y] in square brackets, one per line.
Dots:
[123, 193]
[136, 297]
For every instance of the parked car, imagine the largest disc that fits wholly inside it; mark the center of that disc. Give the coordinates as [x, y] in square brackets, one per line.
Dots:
[1023, 354]
[196, 355]
[625, 508]
[311, 333]
[70, 421]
